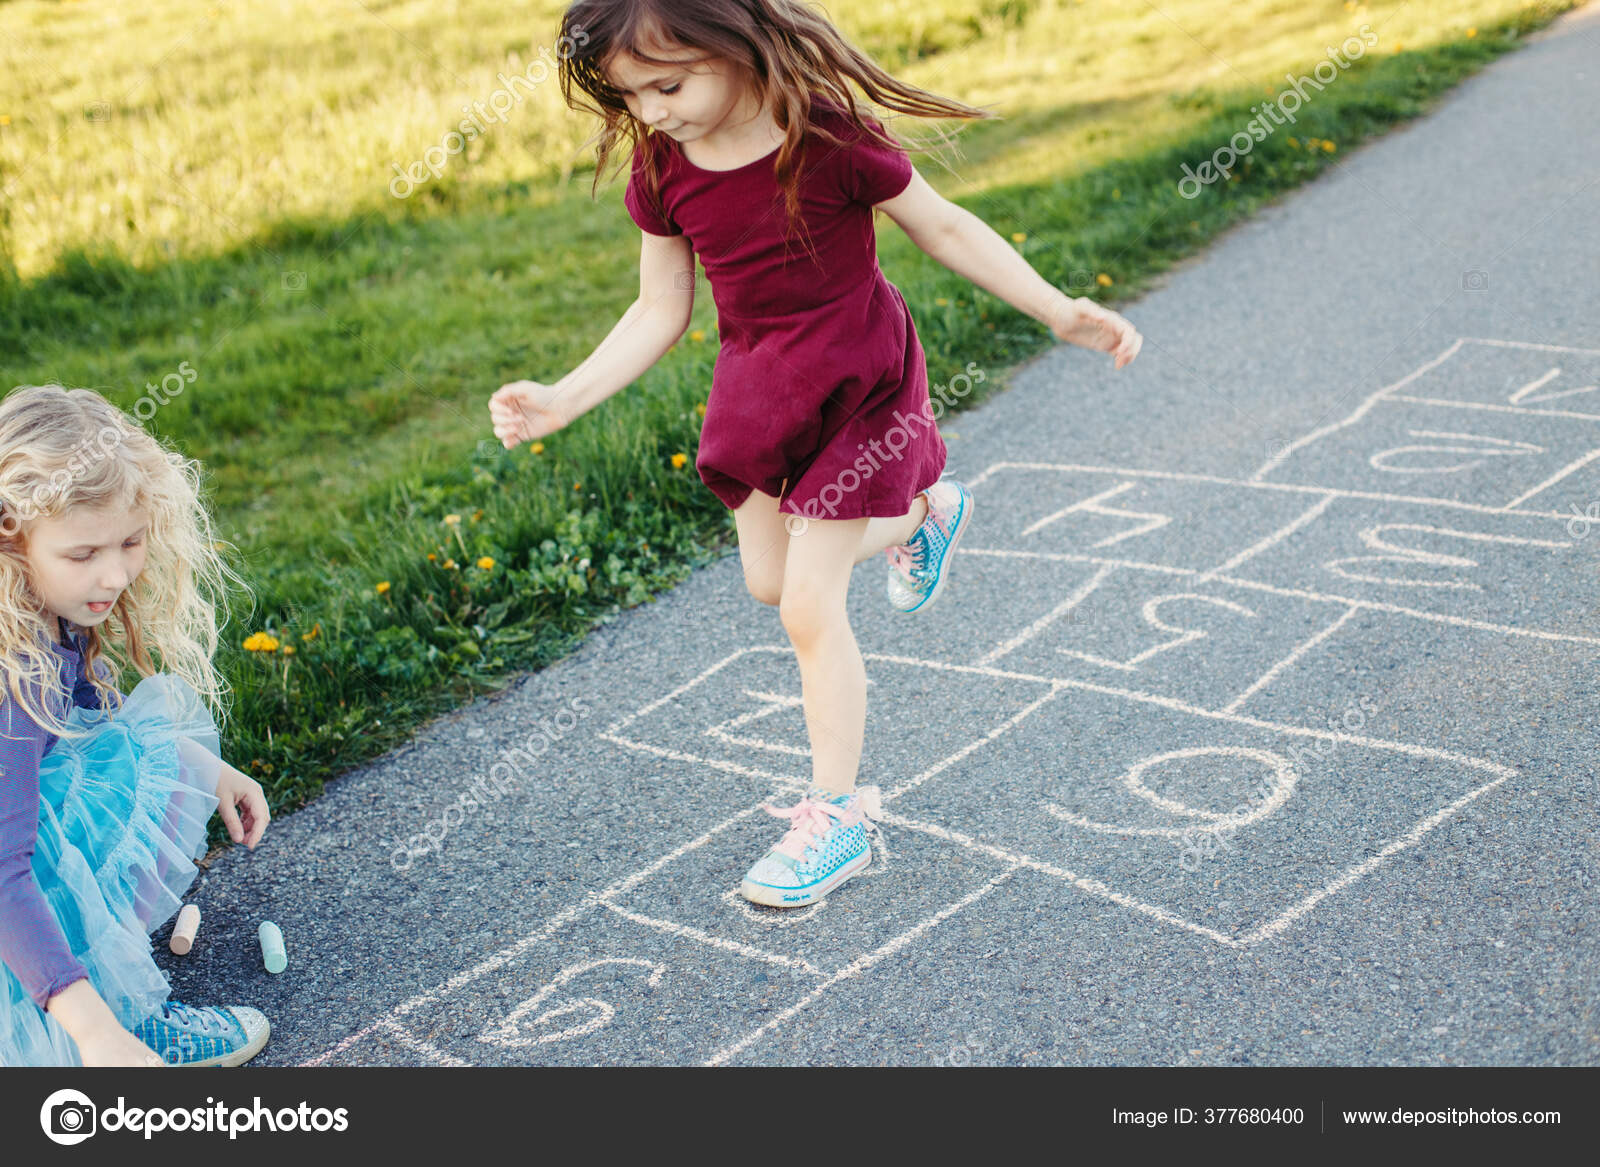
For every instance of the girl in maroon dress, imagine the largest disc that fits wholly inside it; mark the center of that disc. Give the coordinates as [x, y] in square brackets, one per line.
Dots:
[751, 152]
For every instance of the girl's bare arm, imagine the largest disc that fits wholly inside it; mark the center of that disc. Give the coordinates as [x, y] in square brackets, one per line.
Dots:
[969, 247]
[650, 326]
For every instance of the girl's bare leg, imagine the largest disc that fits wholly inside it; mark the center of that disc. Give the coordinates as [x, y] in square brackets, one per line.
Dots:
[833, 678]
[763, 543]
[881, 533]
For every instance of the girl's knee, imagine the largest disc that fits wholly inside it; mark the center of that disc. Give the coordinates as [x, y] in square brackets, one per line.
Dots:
[765, 586]
[808, 614]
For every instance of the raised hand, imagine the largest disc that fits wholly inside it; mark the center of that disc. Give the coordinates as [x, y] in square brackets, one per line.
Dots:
[525, 410]
[1081, 321]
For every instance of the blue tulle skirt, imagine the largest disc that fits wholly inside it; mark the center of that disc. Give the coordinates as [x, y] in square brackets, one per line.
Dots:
[122, 817]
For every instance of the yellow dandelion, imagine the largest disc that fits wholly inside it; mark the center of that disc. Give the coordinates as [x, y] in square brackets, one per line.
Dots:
[383, 587]
[536, 448]
[678, 460]
[700, 408]
[1294, 143]
[432, 558]
[261, 642]
[453, 520]
[942, 302]
[577, 486]
[485, 563]
[476, 515]
[449, 564]
[316, 631]
[5, 119]
[1328, 147]
[1103, 280]
[1018, 236]
[1472, 32]
[697, 336]
[288, 650]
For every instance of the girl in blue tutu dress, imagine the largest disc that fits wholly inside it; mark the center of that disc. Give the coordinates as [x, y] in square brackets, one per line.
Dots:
[106, 554]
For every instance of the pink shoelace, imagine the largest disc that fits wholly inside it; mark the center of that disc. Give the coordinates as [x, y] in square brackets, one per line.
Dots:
[808, 818]
[903, 558]
[811, 817]
[904, 561]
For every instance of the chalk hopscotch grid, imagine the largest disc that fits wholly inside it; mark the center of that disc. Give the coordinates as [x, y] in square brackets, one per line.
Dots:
[1106, 568]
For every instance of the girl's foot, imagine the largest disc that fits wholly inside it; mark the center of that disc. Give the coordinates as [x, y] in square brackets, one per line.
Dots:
[917, 569]
[186, 1036]
[826, 845]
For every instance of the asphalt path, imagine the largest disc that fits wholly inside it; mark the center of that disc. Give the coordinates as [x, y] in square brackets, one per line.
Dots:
[1256, 726]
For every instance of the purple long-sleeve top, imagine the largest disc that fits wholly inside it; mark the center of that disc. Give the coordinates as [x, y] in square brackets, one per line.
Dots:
[31, 942]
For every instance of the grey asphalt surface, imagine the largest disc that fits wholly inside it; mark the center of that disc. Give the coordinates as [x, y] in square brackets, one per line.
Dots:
[1393, 697]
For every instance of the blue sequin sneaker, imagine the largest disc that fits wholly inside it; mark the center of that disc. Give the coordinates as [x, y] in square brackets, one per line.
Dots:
[918, 569]
[186, 1036]
[826, 844]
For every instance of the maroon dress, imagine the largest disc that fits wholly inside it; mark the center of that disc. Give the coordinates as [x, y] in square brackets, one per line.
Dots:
[820, 392]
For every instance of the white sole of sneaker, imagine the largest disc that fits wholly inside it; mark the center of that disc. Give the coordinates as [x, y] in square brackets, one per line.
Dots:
[781, 897]
[944, 576]
[241, 1055]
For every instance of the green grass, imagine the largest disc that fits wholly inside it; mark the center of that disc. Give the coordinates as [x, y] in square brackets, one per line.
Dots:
[225, 203]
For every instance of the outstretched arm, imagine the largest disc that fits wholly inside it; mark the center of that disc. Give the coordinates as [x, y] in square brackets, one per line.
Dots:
[524, 410]
[969, 247]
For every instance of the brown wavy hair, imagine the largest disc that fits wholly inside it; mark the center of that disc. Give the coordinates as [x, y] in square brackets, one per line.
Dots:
[786, 49]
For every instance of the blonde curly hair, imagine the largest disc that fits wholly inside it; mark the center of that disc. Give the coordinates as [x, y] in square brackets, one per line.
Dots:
[61, 449]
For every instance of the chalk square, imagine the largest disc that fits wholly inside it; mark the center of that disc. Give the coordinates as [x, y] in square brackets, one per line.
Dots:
[1302, 816]
[1418, 450]
[744, 715]
[698, 891]
[601, 990]
[1509, 695]
[1107, 514]
[1467, 565]
[1524, 375]
[1155, 633]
